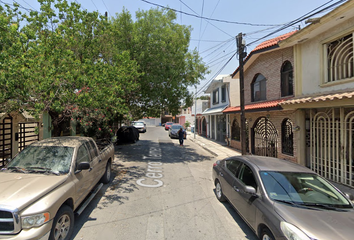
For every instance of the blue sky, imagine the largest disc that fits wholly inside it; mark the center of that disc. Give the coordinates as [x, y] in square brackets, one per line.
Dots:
[215, 39]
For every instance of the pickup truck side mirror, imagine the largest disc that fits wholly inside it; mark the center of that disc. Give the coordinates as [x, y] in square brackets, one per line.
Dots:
[82, 166]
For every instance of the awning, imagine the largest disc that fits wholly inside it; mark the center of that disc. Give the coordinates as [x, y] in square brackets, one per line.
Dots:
[262, 106]
[214, 110]
[349, 94]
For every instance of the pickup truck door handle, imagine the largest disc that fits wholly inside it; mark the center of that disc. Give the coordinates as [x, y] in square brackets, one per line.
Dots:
[236, 189]
[100, 160]
[90, 169]
[221, 175]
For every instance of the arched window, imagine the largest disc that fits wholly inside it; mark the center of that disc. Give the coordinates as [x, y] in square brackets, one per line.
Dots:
[287, 79]
[235, 131]
[287, 137]
[259, 88]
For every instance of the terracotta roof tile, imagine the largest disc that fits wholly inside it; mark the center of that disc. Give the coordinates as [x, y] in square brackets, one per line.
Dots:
[261, 105]
[319, 98]
[273, 41]
[266, 44]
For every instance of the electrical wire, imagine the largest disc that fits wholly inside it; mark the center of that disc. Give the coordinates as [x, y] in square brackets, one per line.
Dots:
[206, 20]
[211, 19]
[306, 16]
[106, 8]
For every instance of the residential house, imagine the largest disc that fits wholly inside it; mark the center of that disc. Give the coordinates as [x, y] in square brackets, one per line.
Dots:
[324, 91]
[268, 81]
[17, 130]
[185, 116]
[199, 121]
[219, 100]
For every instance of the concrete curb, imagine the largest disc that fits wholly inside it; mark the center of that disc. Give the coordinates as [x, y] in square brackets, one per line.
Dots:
[203, 146]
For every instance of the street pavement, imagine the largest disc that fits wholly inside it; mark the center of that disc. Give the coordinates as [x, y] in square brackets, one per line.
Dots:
[220, 150]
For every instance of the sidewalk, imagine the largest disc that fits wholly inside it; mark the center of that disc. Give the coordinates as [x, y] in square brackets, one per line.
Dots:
[220, 150]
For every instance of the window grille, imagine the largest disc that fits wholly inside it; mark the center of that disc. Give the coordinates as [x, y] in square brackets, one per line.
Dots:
[340, 59]
[287, 144]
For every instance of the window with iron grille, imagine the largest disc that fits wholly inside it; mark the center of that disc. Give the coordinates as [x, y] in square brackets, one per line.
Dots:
[216, 96]
[286, 79]
[287, 138]
[340, 59]
[259, 88]
[235, 131]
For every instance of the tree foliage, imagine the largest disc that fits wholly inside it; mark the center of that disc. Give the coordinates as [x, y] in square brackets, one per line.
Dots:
[63, 58]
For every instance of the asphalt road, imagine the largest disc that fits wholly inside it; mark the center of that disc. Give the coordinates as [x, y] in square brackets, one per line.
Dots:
[160, 191]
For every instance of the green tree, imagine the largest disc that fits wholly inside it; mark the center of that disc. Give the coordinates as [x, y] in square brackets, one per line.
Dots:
[59, 60]
[160, 47]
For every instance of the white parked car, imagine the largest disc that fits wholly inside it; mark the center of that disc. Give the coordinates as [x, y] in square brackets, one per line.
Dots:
[141, 126]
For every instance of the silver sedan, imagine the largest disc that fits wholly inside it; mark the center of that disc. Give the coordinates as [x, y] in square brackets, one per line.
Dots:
[281, 200]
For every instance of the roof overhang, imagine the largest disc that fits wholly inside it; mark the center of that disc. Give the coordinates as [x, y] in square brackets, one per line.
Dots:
[340, 99]
[257, 107]
[215, 110]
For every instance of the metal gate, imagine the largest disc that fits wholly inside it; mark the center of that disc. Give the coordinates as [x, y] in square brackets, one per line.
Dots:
[5, 139]
[28, 133]
[332, 144]
[264, 138]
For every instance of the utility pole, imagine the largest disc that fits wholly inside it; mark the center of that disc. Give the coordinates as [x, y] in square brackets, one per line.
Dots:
[195, 110]
[241, 54]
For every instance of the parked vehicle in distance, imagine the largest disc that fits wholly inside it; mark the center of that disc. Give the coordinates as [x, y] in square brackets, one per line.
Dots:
[47, 182]
[168, 125]
[173, 132]
[141, 126]
[126, 134]
[279, 199]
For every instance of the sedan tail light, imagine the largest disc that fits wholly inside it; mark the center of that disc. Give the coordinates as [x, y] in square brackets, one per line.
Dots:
[216, 163]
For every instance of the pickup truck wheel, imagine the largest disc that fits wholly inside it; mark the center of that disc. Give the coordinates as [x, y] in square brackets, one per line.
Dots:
[63, 224]
[106, 178]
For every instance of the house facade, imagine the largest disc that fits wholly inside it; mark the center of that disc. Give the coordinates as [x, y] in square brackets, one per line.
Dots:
[268, 81]
[199, 121]
[219, 100]
[17, 130]
[324, 91]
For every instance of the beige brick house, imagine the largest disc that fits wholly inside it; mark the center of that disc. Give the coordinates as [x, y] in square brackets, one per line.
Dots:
[268, 81]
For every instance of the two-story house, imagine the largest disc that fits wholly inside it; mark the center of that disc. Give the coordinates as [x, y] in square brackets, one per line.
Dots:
[268, 81]
[219, 100]
[324, 92]
[199, 123]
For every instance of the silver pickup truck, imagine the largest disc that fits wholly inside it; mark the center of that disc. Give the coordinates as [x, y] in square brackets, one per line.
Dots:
[44, 185]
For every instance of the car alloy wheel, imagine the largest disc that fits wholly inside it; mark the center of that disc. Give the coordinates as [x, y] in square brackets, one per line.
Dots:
[219, 194]
[63, 224]
[267, 235]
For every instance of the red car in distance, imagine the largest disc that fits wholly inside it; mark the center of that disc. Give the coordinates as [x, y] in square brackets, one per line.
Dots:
[168, 125]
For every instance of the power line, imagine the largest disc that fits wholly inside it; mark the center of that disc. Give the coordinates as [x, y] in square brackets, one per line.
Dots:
[217, 45]
[306, 16]
[211, 19]
[206, 20]
[215, 75]
[106, 7]
[94, 4]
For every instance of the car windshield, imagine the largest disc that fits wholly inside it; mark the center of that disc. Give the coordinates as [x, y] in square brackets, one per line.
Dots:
[42, 159]
[138, 124]
[302, 188]
[169, 123]
[176, 127]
